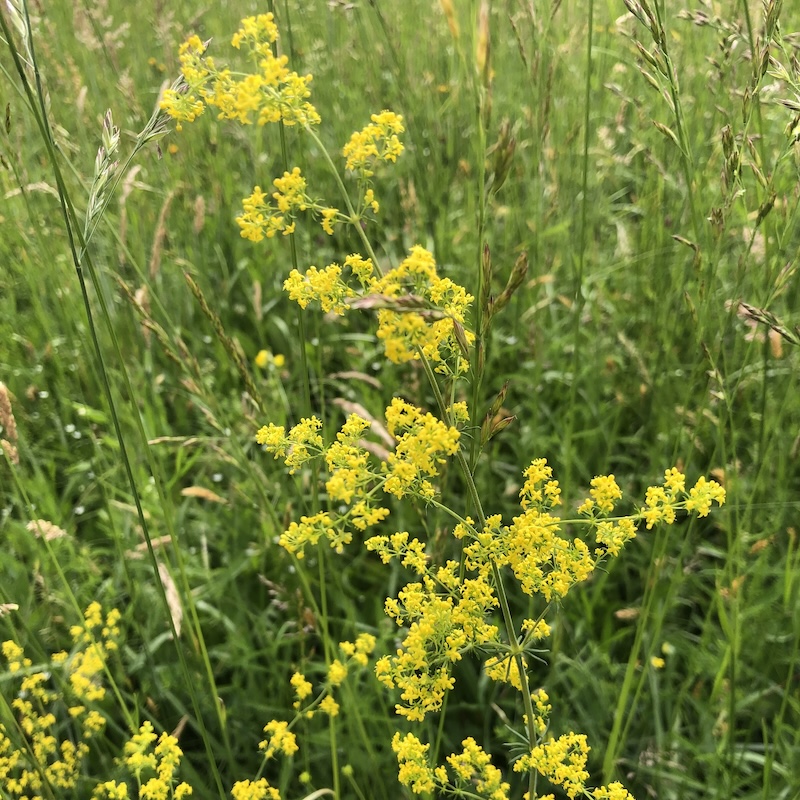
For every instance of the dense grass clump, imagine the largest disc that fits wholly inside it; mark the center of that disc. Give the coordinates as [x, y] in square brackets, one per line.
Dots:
[369, 391]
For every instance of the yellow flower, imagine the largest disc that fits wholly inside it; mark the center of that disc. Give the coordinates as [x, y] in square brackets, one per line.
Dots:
[329, 706]
[254, 790]
[702, 494]
[337, 672]
[605, 492]
[375, 142]
[265, 358]
[328, 218]
[279, 738]
[302, 687]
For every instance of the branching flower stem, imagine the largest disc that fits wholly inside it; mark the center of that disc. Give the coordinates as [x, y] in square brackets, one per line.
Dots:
[508, 620]
[346, 197]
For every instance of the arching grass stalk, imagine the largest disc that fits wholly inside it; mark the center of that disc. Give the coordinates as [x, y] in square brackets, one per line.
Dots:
[81, 257]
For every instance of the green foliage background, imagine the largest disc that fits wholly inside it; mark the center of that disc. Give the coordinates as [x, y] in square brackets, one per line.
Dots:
[624, 353]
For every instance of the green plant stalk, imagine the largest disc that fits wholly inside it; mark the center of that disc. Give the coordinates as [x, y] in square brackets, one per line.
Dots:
[478, 350]
[508, 620]
[346, 197]
[623, 713]
[334, 758]
[73, 231]
[579, 301]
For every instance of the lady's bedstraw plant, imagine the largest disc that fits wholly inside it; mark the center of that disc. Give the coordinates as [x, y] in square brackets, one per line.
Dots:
[460, 607]
[57, 712]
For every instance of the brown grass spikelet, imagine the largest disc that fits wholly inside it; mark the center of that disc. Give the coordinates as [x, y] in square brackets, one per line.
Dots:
[139, 551]
[160, 235]
[9, 425]
[173, 597]
[43, 529]
[204, 494]
[450, 16]
[199, 214]
[7, 415]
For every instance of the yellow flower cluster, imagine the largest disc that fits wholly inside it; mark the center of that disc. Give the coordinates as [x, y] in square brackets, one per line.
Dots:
[326, 286]
[562, 761]
[542, 710]
[264, 218]
[45, 763]
[418, 312]
[279, 738]
[153, 761]
[472, 772]
[254, 790]
[351, 481]
[377, 141]
[445, 613]
[542, 561]
[603, 495]
[271, 93]
[539, 490]
[302, 443]
[427, 315]
[505, 669]
[422, 444]
[266, 358]
[661, 502]
[446, 616]
[412, 756]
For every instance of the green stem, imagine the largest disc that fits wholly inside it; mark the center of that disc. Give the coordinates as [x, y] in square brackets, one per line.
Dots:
[508, 620]
[479, 348]
[346, 197]
[567, 457]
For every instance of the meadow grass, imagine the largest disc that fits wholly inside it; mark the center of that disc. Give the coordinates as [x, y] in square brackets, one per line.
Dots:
[653, 186]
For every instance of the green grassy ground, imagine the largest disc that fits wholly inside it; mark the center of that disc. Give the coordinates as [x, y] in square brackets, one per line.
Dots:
[651, 199]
